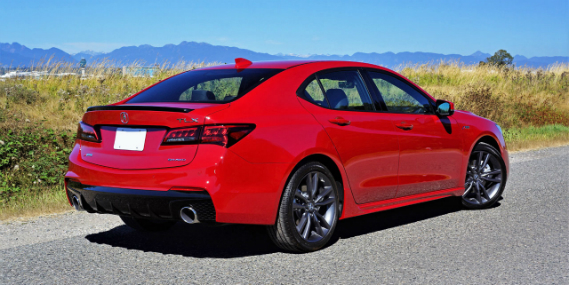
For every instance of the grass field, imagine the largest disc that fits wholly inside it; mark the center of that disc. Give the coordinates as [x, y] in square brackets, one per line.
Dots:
[39, 116]
[511, 97]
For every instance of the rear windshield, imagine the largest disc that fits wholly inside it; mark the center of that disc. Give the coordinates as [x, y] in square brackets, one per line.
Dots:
[206, 86]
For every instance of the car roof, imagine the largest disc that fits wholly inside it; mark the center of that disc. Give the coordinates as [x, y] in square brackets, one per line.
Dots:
[277, 64]
[286, 64]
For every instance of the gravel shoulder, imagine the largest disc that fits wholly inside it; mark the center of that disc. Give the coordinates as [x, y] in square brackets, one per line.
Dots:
[522, 240]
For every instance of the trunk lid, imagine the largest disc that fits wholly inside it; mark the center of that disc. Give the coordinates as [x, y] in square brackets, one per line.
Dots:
[143, 126]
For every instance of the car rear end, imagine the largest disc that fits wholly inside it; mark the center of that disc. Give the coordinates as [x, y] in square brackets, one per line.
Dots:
[159, 151]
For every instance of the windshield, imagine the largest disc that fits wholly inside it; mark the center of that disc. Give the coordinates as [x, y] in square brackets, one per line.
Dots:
[206, 86]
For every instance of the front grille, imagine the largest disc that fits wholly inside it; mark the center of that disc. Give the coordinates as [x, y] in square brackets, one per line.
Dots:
[142, 203]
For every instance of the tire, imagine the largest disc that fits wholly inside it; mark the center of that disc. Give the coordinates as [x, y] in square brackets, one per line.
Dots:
[307, 219]
[147, 225]
[485, 179]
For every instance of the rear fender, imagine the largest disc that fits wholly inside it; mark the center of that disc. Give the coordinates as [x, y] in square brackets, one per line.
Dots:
[331, 153]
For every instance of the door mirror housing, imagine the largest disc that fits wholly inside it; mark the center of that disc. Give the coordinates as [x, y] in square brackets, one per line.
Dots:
[444, 108]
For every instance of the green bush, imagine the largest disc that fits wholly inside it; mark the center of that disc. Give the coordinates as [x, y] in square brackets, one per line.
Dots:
[31, 159]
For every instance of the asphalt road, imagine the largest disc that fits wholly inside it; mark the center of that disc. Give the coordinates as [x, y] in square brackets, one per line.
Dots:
[523, 240]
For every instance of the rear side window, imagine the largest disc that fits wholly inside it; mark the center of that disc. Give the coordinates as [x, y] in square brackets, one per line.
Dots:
[343, 90]
[206, 86]
[346, 90]
[314, 93]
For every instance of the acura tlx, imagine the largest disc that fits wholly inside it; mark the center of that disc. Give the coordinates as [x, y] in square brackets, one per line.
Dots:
[293, 145]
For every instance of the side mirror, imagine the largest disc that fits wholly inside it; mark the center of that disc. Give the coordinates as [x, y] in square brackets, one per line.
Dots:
[444, 108]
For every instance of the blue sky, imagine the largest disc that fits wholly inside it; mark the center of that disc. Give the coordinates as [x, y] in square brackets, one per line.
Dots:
[530, 28]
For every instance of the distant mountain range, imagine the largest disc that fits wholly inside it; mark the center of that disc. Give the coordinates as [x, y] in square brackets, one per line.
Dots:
[16, 54]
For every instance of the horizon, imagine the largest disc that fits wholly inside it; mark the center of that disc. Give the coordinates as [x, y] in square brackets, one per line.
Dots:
[295, 27]
[16, 54]
[279, 53]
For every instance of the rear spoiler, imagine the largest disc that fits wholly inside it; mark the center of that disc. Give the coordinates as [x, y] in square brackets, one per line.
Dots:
[138, 108]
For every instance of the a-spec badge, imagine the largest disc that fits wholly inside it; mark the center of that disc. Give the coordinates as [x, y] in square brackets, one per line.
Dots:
[124, 117]
[183, 120]
[176, 159]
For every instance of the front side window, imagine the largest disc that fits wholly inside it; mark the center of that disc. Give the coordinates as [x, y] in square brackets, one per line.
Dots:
[205, 86]
[399, 96]
[345, 90]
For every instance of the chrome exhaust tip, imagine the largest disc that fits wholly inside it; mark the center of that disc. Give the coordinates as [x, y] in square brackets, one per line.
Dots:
[76, 203]
[189, 215]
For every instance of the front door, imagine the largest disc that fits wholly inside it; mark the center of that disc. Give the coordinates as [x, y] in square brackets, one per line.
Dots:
[430, 149]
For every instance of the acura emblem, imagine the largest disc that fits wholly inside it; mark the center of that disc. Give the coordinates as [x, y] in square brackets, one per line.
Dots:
[124, 117]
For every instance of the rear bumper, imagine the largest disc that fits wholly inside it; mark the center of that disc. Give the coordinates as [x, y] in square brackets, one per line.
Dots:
[163, 205]
[240, 191]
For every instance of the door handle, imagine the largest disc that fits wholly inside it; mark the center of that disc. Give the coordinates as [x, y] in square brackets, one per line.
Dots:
[340, 121]
[405, 126]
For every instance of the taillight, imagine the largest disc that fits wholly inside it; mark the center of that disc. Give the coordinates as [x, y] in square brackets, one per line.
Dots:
[87, 133]
[215, 135]
[182, 136]
[224, 135]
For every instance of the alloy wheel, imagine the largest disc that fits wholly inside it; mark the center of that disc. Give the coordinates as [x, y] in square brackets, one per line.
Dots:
[314, 206]
[484, 178]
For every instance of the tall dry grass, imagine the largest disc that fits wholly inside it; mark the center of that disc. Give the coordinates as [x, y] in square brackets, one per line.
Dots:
[512, 97]
[58, 95]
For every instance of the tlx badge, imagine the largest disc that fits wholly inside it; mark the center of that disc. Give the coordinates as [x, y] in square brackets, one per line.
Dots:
[183, 120]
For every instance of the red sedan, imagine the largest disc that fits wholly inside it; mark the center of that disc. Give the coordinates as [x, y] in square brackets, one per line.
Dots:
[294, 145]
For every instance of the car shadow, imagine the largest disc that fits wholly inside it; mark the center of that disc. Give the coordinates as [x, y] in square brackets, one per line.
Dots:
[229, 241]
[398, 217]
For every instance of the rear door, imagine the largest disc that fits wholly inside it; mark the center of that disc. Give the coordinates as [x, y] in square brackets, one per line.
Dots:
[365, 140]
[430, 147]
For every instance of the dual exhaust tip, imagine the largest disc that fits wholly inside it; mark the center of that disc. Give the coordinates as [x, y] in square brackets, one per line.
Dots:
[187, 214]
[76, 203]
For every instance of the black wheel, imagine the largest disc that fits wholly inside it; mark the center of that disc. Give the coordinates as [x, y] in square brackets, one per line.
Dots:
[309, 210]
[486, 177]
[147, 225]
